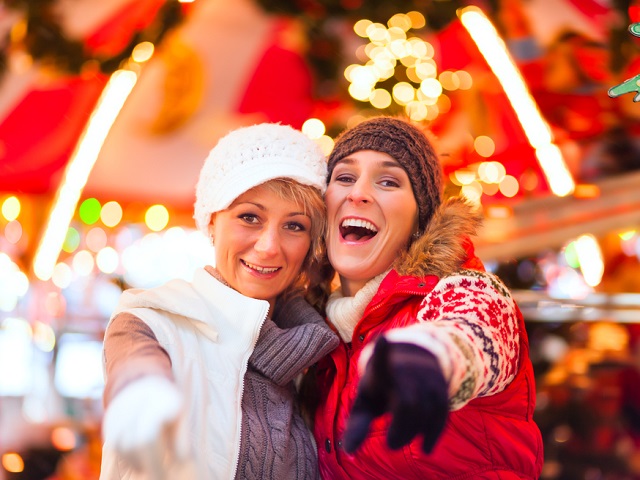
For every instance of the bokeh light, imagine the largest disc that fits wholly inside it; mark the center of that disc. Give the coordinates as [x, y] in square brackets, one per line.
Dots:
[394, 54]
[403, 93]
[89, 211]
[313, 128]
[529, 181]
[326, 144]
[401, 21]
[426, 70]
[590, 258]
[83, 263]
[509, 186]
[44, 337]
[484, 145]
[63, 438]
[380, 98]
[12, 462]
[71, 241]
[13, 231]
[15, 284]
[142, 52]
[11, 208]
[157, 217]
[491, 172]
[361, 26]
[464, 176]
[107, 260]
[111, 214]
[490, 188]
[431, 87]
[571, 255]
[96, 239]
[465, 80]
[62, 275]
[417, 20]
[417, 111]
[472, 192]
[449, 80]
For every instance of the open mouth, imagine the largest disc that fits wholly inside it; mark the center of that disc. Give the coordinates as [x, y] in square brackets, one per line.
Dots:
[357, 230]
[259, 269]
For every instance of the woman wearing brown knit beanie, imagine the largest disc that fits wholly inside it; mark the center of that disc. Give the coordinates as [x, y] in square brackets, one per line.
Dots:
[432, 378]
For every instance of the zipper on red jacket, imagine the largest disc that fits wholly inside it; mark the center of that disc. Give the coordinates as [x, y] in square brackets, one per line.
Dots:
[379, 305]
[349, 354]
[348, 351]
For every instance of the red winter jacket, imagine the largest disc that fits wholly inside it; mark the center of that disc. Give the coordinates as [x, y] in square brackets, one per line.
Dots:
[490, 437]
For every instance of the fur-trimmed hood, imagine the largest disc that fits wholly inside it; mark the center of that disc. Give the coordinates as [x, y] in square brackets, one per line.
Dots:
[442, 248]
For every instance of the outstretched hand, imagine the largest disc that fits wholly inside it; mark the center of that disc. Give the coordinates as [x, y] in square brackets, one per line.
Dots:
[140, 424]
[406, 381]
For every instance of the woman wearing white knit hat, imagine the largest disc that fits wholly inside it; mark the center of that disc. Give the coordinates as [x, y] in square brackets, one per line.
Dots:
[199, 375]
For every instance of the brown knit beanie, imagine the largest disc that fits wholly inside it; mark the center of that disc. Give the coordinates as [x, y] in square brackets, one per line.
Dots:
[409, 146]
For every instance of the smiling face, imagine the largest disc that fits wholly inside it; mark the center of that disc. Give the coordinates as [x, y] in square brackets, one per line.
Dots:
[372, 214]
[261, 242]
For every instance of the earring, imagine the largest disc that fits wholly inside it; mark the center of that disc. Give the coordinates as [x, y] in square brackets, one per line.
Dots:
[211, 238]
[416, 235]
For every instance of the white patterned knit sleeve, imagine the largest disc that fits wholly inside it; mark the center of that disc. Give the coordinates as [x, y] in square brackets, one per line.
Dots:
[469, 322]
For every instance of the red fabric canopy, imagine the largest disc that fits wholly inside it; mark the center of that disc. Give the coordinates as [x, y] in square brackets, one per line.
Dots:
[38, 135]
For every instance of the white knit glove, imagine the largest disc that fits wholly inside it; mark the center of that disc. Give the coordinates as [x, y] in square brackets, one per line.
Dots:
[140, 424]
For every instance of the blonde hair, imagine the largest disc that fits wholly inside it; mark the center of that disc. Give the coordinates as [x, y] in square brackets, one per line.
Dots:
[316, 273]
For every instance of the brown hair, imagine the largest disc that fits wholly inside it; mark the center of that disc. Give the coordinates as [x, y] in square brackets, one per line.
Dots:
[407, 143]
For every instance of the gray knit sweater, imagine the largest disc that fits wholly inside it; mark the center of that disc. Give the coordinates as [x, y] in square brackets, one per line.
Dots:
[275, 442]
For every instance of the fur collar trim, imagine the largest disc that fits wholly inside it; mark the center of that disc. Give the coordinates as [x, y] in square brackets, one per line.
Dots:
[443, 247]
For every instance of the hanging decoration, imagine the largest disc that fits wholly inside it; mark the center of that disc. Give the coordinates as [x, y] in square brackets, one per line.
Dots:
[631, 85]
[40, 35]
[184, 85]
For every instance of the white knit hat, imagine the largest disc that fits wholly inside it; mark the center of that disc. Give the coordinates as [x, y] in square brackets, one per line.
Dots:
[250, 156]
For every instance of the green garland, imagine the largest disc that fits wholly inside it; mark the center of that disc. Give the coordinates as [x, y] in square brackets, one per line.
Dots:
[45, 41]
[437, 12]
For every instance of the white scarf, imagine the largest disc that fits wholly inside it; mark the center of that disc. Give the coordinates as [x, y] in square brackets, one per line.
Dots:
[344, 313]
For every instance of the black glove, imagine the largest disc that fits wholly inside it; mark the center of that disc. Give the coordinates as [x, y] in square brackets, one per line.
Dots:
[407, 381]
